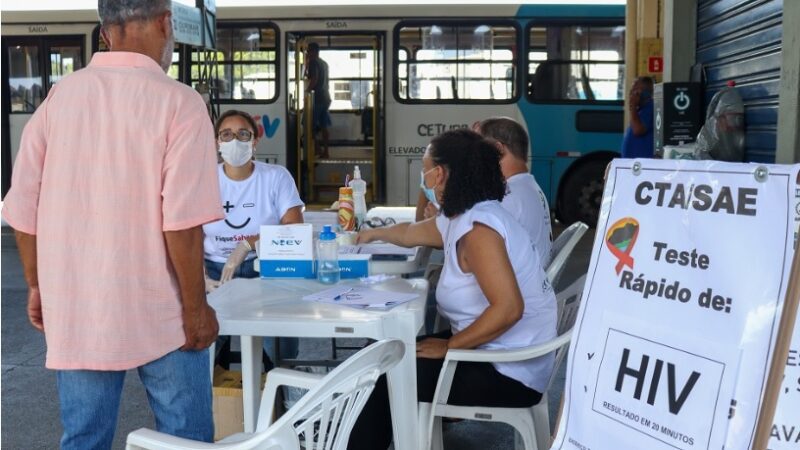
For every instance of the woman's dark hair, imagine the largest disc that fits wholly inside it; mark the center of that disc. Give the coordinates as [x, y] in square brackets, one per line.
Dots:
[235, 112]
[473, 170]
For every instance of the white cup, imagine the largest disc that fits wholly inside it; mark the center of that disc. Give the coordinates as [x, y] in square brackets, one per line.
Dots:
[346, 237]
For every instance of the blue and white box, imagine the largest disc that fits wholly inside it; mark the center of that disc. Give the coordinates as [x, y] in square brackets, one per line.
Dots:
[286, 251]
[353, 265]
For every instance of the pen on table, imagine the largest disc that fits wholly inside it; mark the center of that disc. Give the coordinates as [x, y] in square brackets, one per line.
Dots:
[340, 296]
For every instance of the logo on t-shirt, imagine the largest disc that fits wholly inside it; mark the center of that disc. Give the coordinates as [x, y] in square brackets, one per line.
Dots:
[228, 206]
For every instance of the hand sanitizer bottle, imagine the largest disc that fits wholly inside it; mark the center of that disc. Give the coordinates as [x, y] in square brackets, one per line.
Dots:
[359, 187]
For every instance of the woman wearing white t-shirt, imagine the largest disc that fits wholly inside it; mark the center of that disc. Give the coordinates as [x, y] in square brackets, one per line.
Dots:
[492, 289]
[253, 193]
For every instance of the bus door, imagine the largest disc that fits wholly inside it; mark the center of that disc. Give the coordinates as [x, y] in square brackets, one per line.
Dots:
[33, 65]
[354, 135]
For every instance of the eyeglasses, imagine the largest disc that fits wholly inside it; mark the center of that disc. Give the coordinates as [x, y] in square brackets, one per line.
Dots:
[241, 135]
[378, 222]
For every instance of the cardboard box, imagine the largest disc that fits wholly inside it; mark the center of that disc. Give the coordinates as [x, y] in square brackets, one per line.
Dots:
[227, 402]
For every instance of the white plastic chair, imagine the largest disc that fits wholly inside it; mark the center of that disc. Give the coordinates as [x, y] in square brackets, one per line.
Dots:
[533, 424]
[562, 248]
[323, 418]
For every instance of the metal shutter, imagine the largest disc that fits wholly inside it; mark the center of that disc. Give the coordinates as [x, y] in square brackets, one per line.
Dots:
[740, 40]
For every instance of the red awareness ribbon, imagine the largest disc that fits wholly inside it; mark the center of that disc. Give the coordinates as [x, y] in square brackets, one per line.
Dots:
[624, 257]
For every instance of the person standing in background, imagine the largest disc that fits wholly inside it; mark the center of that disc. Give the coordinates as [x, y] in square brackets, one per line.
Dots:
[638, 139]
[253, 194]
[524, 199]
[115, 176]
[316, 75]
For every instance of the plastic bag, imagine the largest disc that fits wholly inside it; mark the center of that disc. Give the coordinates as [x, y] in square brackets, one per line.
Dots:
[684, 151]
[722, 136]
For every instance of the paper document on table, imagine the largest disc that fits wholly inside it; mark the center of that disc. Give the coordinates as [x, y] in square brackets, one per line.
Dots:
[349, 249]
[385, 248]
[360, 297]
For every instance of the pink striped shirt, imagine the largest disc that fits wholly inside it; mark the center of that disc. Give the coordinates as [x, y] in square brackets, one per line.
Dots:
[117, 154]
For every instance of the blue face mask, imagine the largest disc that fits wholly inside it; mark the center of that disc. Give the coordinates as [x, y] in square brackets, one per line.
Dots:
[429, 193]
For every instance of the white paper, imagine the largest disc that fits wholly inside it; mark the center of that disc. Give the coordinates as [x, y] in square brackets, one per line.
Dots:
[691, 258]
[384, 248]
[360, 296]
[785, 433]
[376, 248]
[349, 249]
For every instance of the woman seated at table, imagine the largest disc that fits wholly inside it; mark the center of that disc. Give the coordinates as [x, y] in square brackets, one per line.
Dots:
[492, 288]
[253, 194]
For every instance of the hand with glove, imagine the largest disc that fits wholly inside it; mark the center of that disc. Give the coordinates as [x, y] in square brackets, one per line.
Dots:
[235, 260]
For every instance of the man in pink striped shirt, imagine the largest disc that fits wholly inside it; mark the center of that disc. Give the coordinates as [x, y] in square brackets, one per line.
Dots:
[115, 176]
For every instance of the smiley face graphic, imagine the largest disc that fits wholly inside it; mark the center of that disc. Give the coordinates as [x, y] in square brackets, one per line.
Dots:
[228, 206]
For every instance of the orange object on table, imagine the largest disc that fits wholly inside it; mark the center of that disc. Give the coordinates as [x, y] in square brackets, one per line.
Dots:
[347, 217]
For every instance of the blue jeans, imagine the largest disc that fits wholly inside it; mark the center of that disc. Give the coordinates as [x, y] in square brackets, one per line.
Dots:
[178, 389]
[288, 346]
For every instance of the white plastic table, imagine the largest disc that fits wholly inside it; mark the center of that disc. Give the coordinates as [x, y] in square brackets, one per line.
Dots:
[252, 308]
[414, 263]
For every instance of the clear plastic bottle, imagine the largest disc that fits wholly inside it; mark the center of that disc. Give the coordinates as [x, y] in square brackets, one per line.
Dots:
[327, 257]
[359, 187]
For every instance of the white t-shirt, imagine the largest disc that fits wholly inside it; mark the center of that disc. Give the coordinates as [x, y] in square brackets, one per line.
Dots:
[528, 204]
[460, 299]
[262, 199]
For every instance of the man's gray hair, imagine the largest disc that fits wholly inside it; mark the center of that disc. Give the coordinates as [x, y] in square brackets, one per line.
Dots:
[118, 12]
[509, 132]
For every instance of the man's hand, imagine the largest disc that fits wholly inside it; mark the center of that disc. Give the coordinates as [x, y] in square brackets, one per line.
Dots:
[367, 236]
[35, 309]
[200, 327]
[633, 99]
[211, 285]
[432, 348]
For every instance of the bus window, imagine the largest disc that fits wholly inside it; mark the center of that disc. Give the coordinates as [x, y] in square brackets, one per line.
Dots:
[456, 63]
[64, 59]
[246, 60]
[351, 71]
[576, 63]
[402, 72]
[36, 64]
[24, 78]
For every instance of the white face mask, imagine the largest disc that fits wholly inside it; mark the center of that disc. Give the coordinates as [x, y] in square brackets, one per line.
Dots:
[235, 152]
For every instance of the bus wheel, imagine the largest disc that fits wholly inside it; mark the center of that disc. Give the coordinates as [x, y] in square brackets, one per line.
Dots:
[582, 193]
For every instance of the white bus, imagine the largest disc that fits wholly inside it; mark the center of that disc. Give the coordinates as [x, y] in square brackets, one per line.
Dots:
[399, 75]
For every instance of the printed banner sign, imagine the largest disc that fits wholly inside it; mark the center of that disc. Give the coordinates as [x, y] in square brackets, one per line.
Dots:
[785, 434]
[681, 307]
[286, 251]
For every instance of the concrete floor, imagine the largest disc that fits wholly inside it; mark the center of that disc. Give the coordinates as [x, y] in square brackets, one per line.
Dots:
[30, 415]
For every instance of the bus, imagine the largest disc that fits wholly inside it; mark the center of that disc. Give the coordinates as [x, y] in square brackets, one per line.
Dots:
[398, 75]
